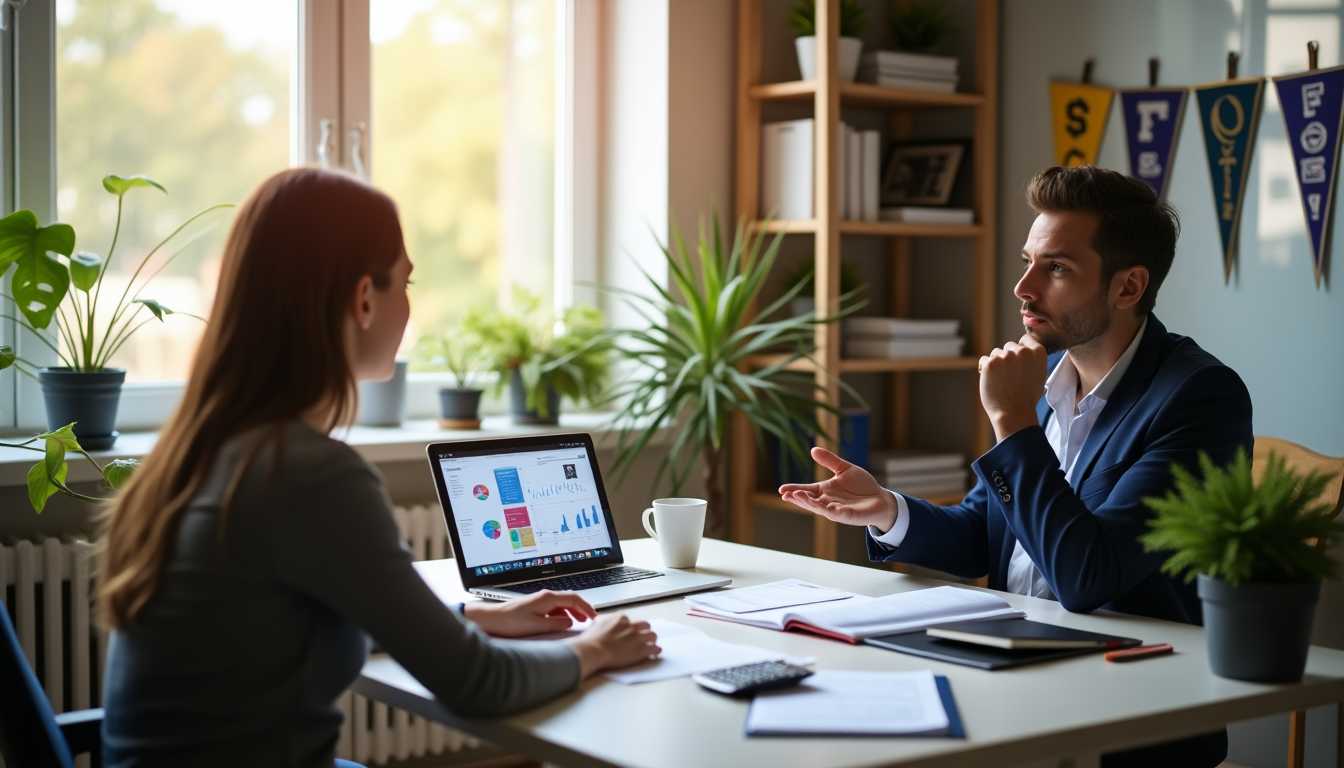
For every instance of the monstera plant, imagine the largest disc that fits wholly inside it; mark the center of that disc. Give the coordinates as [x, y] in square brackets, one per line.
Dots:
[53, 284]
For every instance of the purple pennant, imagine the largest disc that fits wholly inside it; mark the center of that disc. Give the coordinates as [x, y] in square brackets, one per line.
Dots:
[1313, 108]
[1152, 129]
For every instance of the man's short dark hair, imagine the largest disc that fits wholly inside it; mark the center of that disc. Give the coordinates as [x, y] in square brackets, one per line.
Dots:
[1135, 229]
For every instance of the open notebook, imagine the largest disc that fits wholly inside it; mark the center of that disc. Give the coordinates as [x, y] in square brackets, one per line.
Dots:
[854, 618]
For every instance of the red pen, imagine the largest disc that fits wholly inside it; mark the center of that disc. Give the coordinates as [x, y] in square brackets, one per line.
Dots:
[1138, 652]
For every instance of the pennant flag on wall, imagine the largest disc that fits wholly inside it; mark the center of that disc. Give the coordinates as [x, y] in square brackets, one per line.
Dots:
[1078, 112]
[1313, 107]
[1152, 129]
[1230, 115]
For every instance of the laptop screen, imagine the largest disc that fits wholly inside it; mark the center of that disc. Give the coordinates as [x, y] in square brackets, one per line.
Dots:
[525, 507]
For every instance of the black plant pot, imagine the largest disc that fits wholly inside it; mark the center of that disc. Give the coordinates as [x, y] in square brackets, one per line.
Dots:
[88, 399]
[459, 408]
[1258, 632]
[521, 413]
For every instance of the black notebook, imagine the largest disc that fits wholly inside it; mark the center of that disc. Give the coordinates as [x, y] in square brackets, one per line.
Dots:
[983, 653]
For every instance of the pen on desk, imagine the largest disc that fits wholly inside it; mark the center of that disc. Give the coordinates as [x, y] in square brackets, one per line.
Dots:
[1138, 652]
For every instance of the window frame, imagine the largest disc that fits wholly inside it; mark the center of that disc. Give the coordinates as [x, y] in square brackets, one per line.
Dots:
[331, 76]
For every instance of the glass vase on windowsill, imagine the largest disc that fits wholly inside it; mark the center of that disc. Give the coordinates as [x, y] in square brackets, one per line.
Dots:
[52, 283]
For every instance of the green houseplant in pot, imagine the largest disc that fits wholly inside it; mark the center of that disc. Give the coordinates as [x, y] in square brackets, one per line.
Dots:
[920, 27]
[54, 283]
[452, 351]
[541, 358]
[803, 21]
[690, 369]
[1255, 549]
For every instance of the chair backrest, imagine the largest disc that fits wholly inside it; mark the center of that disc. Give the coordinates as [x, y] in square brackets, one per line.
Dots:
[1302, 460]
[28, 732]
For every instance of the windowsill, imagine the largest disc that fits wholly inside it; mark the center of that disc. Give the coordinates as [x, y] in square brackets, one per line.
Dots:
[377, 445]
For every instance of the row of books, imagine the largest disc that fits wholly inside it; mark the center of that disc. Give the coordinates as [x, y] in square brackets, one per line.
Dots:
[898, 337]
[916, 71]
[787, 166]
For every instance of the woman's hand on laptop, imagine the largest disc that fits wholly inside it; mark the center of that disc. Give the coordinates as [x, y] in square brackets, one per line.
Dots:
[851, 495]
[536, 614]
[614, 642]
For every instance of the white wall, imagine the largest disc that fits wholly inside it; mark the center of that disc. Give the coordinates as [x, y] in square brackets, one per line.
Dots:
[1284, 337]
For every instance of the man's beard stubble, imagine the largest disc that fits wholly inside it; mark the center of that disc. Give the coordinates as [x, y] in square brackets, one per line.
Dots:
[1075, 328]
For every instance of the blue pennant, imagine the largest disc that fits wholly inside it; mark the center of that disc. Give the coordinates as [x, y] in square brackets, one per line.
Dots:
[1152, 129]
[1230, 115]
[1313, 107]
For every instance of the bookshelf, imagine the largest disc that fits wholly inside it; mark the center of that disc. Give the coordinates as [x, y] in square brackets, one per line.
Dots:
[830, 232]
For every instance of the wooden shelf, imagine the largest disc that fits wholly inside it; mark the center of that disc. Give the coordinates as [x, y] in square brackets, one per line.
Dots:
[875, 228]
[866, 94]
[772, 501]
[880, 365]
[875, 365]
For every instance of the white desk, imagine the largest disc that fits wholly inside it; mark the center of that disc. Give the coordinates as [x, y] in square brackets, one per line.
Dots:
[1075, 707]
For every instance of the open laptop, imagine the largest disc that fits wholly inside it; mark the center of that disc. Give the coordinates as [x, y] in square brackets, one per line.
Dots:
[530, 513]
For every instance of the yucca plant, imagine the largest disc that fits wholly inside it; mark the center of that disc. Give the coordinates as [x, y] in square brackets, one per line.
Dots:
[690, 363]
[1226, 526]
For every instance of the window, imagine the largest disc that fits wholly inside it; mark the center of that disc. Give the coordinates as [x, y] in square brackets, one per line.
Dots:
[463, 95]
[452, 106]
[193, 95]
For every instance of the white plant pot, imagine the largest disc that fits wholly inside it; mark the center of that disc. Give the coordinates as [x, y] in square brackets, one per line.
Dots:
[847, 57]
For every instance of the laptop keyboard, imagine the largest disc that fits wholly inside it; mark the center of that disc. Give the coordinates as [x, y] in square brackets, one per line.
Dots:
[577, 581]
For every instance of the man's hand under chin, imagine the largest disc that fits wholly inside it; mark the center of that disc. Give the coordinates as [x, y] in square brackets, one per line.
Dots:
[1012, 378]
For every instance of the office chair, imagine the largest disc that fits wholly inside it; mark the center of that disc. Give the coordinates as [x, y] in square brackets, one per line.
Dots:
[30, 734]
[1301, 460]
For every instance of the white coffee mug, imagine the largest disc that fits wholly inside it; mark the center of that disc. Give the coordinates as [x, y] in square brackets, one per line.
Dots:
[678, 525]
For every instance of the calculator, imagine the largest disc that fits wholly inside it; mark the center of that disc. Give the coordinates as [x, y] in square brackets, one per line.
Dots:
[749, 678]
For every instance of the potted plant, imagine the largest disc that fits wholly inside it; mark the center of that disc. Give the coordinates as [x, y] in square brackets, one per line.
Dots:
[460, 404]
[1255, 548]
[920, 27]
[541, 359]
[691, 368]
[84, 389]
[802, 17]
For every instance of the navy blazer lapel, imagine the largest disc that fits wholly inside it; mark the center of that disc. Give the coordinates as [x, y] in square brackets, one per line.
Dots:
[1131, 388]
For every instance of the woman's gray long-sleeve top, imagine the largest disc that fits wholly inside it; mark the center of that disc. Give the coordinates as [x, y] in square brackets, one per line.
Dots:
[249, 639]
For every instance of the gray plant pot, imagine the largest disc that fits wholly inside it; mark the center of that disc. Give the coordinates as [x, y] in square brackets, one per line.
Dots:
[518, 404]
[88, 399]
[383, 403]
[459, 408]
[1258, 632]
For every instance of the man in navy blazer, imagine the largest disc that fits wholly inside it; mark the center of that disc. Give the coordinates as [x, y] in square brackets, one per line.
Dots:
[1057, 508]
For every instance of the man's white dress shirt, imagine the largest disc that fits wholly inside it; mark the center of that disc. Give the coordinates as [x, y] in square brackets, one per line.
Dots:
[1066, 437]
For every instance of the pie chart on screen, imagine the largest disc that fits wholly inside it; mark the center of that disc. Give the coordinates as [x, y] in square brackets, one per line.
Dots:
[480, 492]
[491, 529]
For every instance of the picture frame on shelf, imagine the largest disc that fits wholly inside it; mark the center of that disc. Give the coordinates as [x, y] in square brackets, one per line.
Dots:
[923, 173]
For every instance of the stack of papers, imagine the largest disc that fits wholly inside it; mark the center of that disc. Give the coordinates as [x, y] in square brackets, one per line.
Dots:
[898, 337]
[841, 703]
[918, 71]
[856, 617]
[921, 473]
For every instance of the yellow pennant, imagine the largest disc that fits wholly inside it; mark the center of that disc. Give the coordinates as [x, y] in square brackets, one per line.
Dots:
[1078, 112]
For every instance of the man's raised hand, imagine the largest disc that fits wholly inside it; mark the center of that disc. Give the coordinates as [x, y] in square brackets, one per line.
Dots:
[850, 496]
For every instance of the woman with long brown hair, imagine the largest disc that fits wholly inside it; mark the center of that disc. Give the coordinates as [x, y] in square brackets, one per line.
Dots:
[247, 558]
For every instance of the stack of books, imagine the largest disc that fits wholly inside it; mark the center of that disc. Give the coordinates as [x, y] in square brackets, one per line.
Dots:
[898, 337]
[922, 473]
[917, 71]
